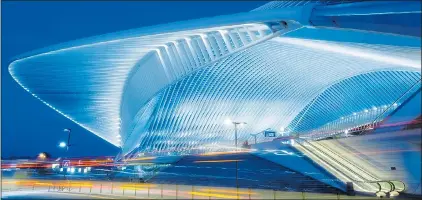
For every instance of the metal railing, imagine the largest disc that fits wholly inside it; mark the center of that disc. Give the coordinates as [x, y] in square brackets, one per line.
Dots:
[158, 191]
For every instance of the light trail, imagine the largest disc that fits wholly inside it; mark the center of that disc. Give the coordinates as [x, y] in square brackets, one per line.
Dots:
[214, 195]
[226, 191]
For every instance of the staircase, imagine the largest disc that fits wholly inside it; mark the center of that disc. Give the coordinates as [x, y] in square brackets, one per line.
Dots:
[335, 160]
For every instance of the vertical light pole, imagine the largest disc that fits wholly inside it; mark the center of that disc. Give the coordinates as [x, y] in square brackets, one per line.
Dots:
[68, 130]
[67, 145]
[228, 122]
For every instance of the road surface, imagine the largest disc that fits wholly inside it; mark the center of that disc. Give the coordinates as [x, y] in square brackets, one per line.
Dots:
[55, 195]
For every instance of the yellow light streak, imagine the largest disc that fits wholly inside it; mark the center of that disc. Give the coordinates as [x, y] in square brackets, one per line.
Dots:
[137, 185]
[226, 191]
[49, 184]
[9, 182]
[213, 195]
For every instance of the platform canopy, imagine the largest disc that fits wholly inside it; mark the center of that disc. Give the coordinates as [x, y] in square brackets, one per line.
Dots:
[292, 67]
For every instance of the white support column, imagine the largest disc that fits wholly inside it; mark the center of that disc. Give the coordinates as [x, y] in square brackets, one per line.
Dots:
[192, 51]
[164, 63]
[189, 57]
[261, 33]
[251, 34]
[220, 42]
[199, 53]
[207, 46]
[182, 57]
[242, 37]
[166, 58]
[172, 60]
[203, 49]
[175, 56]
[235, 40]
[225, 36]
[212, 41]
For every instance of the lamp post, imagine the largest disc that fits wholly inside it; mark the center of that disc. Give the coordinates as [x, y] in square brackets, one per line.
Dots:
[236, 124]
[64, 144]
[68, 130]
[228, 122]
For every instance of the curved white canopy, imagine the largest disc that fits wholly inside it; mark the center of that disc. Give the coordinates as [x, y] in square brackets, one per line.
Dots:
[173, 87]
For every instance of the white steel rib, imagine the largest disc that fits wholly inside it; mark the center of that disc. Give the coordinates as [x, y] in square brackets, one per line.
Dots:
[171, 87]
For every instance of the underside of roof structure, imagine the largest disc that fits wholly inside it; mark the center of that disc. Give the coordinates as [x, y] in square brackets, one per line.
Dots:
[282, 66]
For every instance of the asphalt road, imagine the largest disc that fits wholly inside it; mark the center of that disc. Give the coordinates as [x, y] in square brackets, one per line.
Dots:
[53, 195]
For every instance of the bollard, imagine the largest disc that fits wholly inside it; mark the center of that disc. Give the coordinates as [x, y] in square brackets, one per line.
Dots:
[237, 191]
[249, 193]
[303, 195]
[33, 186]
[80, 187]
[123, 191]
[209, 195]
[338, 197]
[135, 190]
[90, 189]
[101, 188]
[274, 194]
[49, 188]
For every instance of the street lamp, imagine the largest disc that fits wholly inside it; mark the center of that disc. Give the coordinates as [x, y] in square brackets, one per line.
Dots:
[68, 130]
[228, 122]
[42, 156]
[62, 144]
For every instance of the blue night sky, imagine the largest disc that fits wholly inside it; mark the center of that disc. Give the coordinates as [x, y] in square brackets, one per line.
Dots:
[29, 126]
